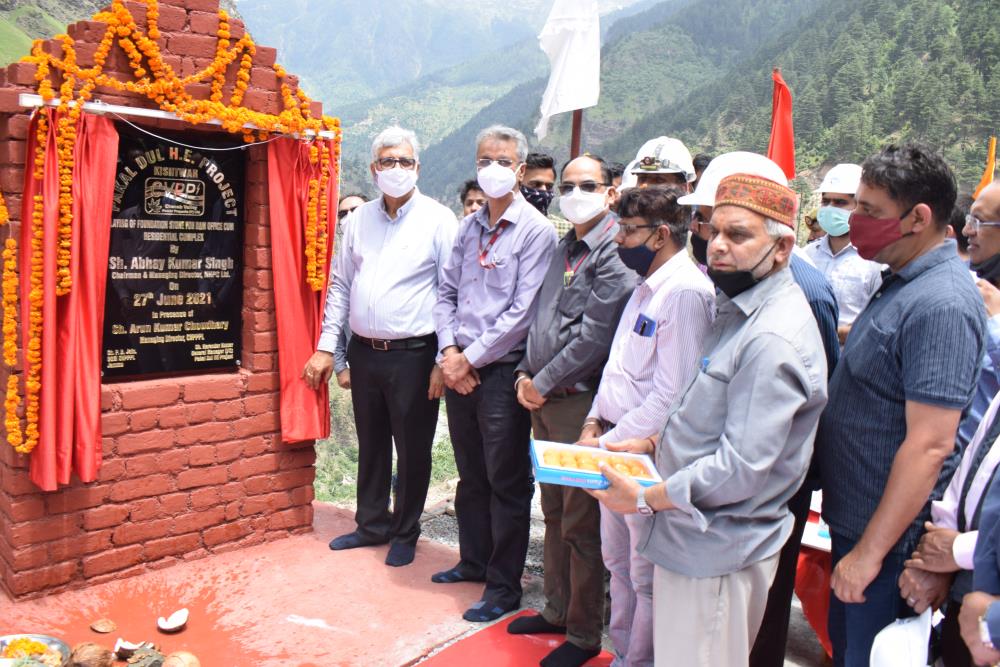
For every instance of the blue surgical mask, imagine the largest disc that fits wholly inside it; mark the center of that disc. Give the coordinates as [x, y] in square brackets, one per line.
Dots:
[833, 220]
[638, 258]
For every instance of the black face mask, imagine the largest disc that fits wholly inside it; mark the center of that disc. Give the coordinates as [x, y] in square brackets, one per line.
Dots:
[699, 248]
[988, 270]
[540, 199]
[734, 283]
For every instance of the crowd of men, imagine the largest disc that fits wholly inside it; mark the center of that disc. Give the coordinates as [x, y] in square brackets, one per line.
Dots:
[675, 315]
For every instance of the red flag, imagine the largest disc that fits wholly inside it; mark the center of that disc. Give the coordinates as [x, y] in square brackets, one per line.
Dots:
[782, 146]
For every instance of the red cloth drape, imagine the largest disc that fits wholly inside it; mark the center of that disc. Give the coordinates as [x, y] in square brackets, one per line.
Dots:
[70, 410]
[305, 413]
[782, 146]
[812, 586]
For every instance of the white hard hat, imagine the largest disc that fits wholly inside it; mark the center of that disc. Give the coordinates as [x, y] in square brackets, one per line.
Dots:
[664, 155]
[727, 164]
[903, 643]
[842, 179]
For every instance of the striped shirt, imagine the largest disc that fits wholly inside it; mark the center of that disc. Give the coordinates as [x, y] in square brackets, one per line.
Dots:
[386, 271]
[920, 339]
[655, 350]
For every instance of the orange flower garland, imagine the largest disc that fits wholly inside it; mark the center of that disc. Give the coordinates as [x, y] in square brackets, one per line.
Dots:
[154, 79]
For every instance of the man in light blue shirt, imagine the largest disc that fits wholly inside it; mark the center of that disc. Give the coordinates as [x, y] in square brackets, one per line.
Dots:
[384, 283]
[486, 303]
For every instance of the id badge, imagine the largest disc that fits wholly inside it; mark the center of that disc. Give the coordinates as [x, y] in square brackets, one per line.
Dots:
[644, 326]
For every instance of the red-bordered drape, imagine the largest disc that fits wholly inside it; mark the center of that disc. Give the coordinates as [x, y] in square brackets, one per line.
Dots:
[305, 413]
[70, 410]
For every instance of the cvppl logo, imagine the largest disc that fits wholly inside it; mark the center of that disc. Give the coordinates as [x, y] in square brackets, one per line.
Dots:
[175, 196]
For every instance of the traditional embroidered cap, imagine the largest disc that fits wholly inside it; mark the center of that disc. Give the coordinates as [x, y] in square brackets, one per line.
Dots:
[727, 164]
[760, 195]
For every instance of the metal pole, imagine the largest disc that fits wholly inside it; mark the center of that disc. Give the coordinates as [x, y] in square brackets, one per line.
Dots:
[574, 149]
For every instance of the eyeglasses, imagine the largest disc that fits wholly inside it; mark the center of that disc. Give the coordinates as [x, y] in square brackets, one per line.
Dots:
[390, 162]
[344, 213]
[697, 218]
[974, 223]
[586, 186]
[630, 229]
[484, 162]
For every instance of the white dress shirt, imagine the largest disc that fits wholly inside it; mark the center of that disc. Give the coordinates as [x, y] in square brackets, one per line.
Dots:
[386, 272]
[944, 512]
[854, 279]
[647, 371]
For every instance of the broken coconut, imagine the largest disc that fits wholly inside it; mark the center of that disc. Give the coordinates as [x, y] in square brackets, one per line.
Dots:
[146, 657]
[181, 659]
[124, 649]
[174, 623]
[104, 626]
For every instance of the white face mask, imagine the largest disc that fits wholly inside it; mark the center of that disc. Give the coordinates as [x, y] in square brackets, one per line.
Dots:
[581, 207]
[397, 181]
[496, 181]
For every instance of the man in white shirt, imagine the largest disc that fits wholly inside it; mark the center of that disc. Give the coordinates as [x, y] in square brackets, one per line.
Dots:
[653, 356]
[853, 278]
[384, 283]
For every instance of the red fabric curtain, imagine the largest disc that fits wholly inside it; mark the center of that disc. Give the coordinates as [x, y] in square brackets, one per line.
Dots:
[782, 146]
[70, 410]
[305, 413]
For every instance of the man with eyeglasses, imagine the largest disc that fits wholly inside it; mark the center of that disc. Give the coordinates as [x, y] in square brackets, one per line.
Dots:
[853, 278]
[769, 647]
[384, 282]
[982, 229]
[664, 161]
[653, 356]
[486, 302]
[578, 308]
[908, 370]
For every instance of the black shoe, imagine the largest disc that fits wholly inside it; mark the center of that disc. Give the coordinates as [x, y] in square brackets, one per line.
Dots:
[453, 576]
[485, 611]
[353, 541]
[534, 625]
[569, 655]
[400, 554]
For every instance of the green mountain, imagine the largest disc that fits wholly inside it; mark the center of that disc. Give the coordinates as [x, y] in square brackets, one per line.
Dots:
[861, 74]
[22, 21]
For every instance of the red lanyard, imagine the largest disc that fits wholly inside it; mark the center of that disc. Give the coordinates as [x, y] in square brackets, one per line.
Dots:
[484, 252]
[570, 271]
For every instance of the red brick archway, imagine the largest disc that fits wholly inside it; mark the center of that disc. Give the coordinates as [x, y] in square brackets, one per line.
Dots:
[192, 465]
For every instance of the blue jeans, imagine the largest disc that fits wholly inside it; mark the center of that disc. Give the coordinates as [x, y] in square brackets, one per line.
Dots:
[853, 626]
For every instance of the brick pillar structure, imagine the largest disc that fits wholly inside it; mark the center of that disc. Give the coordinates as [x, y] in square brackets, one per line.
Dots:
[192, 465]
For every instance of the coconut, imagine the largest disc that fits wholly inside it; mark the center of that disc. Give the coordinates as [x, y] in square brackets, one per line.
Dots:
[181, 659]
[91, 655]
[175, 622]
[124, 649]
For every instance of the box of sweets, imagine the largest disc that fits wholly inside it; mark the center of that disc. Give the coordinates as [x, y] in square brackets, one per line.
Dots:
[576, 465]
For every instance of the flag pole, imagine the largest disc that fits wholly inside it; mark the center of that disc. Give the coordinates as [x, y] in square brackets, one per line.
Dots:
[574, 146]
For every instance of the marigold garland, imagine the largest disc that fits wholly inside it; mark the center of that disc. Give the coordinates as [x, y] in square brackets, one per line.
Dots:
[154, 79]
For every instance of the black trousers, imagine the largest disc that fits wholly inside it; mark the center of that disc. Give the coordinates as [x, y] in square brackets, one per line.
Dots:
[769, 648]
[954, 652]
[490, 432]
[389, 394]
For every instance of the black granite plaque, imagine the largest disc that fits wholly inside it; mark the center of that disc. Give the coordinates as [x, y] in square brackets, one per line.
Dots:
[175, 267]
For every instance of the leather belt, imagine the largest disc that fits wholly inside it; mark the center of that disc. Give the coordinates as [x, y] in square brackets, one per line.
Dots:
[384, 345]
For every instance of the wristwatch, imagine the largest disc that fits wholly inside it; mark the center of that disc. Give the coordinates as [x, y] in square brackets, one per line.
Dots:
[641, 505]
[984, 633]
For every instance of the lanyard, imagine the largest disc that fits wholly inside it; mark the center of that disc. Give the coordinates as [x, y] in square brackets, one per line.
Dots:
[570, 271]
[484, 252]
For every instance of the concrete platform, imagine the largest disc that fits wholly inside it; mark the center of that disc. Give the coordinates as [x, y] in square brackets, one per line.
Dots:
[291, 602]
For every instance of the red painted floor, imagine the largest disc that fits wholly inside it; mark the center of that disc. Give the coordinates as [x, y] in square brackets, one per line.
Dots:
[288, 603]
[495, 647]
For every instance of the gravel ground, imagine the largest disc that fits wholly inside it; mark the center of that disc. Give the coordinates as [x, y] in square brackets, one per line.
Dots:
[440, 525]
